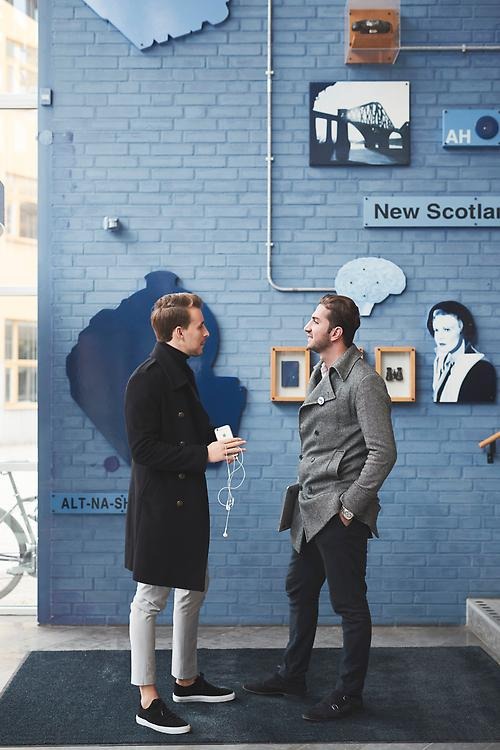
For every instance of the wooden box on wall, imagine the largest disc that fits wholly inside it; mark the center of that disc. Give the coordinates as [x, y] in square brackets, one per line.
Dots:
[396, 364]
[372, 32]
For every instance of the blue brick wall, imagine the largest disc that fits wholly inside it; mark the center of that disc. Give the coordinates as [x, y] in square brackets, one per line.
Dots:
[173, 141]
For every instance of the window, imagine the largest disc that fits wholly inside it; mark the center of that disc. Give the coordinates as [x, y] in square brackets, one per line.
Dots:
[21, 206]
[27, 220]
[21, 66]
[29, 7]
[20, 363]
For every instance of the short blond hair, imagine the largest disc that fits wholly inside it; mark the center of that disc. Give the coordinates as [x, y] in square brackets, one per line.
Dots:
[172, 310]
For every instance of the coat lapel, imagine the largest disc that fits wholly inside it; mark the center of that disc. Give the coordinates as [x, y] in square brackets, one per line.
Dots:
[319, 389]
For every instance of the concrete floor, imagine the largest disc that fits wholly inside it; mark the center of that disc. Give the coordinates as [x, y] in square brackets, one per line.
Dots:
[20, 634]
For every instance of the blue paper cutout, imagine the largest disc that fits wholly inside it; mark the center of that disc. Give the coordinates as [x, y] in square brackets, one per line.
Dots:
[145, 22]
[116, 341]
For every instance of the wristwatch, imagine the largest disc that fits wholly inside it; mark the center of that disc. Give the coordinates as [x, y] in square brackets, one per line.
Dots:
[348, 515]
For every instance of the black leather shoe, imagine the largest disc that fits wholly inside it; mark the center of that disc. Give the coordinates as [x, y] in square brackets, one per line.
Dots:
[333, 708]
[276, 685]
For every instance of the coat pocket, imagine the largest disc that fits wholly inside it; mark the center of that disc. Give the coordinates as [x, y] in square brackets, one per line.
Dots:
[334, 464]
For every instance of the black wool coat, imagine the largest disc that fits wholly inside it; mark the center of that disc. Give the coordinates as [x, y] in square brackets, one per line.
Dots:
[168, 526]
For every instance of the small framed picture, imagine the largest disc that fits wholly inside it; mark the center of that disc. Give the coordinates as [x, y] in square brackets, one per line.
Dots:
[290, 371]
[359, 123]
[396, 365]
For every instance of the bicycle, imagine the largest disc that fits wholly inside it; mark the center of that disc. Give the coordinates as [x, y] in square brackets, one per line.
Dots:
[18, 541]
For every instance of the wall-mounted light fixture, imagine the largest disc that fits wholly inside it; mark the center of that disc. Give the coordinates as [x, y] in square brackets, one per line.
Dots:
[111, 223]
[372, 32]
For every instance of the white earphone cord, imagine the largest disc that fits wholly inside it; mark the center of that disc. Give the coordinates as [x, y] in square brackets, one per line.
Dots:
[229, 502]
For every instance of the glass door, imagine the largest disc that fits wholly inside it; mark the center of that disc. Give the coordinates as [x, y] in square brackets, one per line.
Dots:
[18, 303]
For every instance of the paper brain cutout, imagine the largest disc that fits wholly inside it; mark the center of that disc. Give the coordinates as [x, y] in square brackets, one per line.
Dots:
[368, 281]
[145, 22]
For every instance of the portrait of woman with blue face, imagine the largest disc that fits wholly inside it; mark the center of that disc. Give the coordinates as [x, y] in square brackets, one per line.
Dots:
[462, 374]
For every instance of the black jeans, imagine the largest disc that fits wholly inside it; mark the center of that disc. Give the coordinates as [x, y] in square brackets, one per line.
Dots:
[337, 553]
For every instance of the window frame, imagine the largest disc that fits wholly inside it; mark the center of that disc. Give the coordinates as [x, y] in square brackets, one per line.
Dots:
[13, 364]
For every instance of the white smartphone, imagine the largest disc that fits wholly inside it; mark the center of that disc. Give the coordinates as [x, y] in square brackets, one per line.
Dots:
[223, 433]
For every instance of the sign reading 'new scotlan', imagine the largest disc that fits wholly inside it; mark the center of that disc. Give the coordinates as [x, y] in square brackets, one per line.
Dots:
[431, 211]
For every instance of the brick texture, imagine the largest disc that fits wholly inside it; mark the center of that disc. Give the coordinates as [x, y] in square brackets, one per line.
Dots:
[173, 141]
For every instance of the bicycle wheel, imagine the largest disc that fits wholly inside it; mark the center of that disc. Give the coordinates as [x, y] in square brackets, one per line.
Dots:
[13, 546]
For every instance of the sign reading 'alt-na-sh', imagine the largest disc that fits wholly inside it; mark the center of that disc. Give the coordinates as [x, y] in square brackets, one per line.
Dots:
[431, 211]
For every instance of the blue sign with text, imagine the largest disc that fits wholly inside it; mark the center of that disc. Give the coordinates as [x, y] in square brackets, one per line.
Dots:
[471, 128]
[88, 502]
[431, 211]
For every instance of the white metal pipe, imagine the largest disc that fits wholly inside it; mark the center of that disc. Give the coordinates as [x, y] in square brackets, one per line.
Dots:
[452, 48]
[269, 162]
[269, 155]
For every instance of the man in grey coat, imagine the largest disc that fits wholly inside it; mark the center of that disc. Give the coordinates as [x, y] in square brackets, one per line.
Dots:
[347, 451]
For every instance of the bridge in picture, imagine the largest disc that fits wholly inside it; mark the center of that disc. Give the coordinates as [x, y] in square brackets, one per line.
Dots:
[374, 124]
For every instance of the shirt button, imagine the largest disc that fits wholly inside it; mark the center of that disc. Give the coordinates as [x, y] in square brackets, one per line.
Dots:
[312, 460]
[321, 400]
[182, 443]
[300, 457]
[316, 432]
[180, 503]
[180, 414]
[181, 475]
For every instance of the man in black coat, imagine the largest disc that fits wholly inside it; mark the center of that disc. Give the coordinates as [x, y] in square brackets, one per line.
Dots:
[168, 525]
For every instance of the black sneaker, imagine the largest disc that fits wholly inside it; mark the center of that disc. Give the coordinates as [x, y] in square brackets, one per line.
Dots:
[161, 719]
[201, 691]
[333, 708]
[276, 685]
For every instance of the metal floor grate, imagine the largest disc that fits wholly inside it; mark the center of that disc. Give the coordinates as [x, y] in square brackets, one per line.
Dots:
[491, 609]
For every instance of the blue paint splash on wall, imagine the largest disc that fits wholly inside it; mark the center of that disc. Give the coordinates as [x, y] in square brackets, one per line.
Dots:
[145, 22]
[116, 341]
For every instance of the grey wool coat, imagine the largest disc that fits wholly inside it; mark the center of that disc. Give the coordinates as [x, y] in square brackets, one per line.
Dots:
[347, 446]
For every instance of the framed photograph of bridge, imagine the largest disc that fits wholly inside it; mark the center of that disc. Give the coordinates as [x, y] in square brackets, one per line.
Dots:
[359, 123]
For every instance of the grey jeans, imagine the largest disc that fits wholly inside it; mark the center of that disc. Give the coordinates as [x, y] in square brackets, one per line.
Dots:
[146, 605]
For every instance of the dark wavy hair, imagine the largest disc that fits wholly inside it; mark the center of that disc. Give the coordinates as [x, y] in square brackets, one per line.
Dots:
[462, 313]
[343, 312]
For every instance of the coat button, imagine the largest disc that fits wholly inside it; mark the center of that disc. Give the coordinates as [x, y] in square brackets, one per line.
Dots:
[321, 400]
[180, 503]
[300, 457]
[312, 460]
[316, 432]
[182, 443]
[181, 475]
[180, 414]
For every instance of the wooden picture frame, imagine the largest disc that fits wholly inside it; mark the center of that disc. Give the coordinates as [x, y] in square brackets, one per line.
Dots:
[396, 365]
[290, 372]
